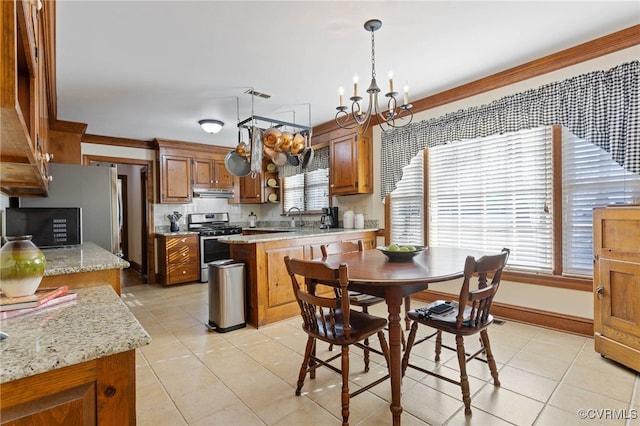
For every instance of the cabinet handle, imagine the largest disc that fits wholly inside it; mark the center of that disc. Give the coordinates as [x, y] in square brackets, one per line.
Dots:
[600, 291]
[184, 272]
[183, 240]
[184, 254]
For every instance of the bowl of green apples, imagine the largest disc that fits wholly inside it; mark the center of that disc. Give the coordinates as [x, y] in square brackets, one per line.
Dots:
[401, 252]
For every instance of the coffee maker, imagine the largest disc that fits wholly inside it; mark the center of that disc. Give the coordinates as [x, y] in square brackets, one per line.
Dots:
[329, 218]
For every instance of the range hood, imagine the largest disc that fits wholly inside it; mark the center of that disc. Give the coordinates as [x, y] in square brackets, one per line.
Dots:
[213, 193]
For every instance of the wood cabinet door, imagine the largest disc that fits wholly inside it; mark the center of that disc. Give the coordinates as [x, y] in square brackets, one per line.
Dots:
[280, 289]
[202, 173]
[618, 301]
[344, 159]
[175, 179]
[222, 178]
[251, 189]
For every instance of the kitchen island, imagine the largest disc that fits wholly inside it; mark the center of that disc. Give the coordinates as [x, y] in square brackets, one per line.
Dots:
[84, 265]
[73, 363]
[269, 296]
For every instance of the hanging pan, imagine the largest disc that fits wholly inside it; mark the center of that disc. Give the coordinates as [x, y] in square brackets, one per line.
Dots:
[237, 165]
[307, 155]
[294, 160]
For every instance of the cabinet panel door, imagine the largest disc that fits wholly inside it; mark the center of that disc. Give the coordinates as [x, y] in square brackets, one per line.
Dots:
[619, 301]
[175, 179]
[202, 173]
[222, 178]
[344, 172]
[251, 189]
[280, 289]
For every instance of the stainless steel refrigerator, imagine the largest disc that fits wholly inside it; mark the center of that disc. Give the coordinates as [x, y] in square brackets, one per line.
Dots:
[95, 190]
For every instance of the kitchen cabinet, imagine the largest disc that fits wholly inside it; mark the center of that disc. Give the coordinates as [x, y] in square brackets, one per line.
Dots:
[616, 233]
[211, 173]
[269, 294]
[175, 179]
[178, 258]
[351, 164]
[23, 97]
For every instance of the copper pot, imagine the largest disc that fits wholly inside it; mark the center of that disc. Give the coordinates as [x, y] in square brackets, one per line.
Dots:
[287, 139]
[272, 137]
[298, 143]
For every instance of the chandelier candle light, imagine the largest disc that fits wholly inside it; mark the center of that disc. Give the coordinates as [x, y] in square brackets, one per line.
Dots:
[386, 119]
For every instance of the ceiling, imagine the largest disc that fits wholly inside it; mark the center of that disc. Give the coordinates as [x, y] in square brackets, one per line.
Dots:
[147, 69]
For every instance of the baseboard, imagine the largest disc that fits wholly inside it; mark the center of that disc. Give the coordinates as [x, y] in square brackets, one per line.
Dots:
[553, 320]
[135, 266]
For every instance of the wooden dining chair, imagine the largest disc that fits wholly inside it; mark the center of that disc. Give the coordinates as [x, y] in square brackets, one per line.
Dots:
[331, 320]
[473, 316]
[355, 298]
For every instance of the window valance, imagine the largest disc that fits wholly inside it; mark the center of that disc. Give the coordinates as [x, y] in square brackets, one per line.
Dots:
[601, 107]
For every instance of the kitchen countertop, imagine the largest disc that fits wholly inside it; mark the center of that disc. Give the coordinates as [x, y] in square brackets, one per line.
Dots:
[287, 234]
[169, 234]
[85, 257]
[95, 325]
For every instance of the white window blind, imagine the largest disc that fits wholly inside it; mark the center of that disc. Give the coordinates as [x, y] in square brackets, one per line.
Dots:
[494, 192]
[407, 204]
[309, 191]
[590, 179]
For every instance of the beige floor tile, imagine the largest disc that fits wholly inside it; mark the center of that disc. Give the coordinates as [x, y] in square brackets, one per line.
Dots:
[571, 398]
[552, 368]
[197, 405]
[308, 415]
[383, 417]
[235, 414]
[478, 417]
[429, 405]
[527, 384]
[553, 416]
[160, 414]
[159, 352]
[564, 352]
[507, 405]
[617, 386]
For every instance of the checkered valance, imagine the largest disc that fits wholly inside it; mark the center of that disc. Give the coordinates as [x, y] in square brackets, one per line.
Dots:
[601, 106]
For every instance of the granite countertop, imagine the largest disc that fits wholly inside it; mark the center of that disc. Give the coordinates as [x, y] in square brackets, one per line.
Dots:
[95, 325]
[85, 257]
[289, 234]
[169, 234]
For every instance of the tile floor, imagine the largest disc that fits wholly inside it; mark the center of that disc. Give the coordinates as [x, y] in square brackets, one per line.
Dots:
[190, 376]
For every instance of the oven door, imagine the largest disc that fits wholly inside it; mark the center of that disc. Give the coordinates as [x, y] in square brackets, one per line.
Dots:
[211, 249]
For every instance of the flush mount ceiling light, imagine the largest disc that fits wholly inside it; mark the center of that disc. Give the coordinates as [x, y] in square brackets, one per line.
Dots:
[387, 119]
[211, 126]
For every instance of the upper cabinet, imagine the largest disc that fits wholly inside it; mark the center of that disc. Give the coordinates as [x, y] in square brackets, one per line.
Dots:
[23, 96]
[184, 167]
[351, 164]
[211, 173]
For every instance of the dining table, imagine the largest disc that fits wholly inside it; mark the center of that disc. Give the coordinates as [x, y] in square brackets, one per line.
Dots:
[371, 272]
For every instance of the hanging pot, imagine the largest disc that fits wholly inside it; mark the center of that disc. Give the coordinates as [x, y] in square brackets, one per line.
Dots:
[287, 140]
[297, 145]
[294, 160]
[237, 165]
[307, 155]
[272, 137]
[280, 159]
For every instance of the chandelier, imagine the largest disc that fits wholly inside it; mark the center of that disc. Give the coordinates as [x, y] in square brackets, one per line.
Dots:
[386, 119]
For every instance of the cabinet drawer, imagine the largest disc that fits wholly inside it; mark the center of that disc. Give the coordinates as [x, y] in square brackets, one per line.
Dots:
[182, 254]
[183, 273]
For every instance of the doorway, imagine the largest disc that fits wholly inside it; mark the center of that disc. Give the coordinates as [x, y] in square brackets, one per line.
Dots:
[136, 234]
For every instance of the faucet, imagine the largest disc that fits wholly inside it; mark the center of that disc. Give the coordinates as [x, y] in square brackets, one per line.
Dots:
[299, 214]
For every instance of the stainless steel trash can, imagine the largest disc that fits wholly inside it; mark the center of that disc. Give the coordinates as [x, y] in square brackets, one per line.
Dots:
[226, 295]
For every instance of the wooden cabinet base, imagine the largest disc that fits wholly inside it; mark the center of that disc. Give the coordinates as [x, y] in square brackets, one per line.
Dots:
[624, 354]
[85, 279]
[102, 391]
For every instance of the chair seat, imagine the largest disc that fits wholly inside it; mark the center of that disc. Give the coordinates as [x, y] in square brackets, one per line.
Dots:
[362, 326]
[449, 326]
[361, 299]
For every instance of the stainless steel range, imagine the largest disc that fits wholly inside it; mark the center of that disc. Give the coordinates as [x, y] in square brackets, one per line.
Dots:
[211, 226]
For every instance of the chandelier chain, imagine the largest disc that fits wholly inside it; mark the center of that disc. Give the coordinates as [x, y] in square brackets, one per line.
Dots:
[373, 55]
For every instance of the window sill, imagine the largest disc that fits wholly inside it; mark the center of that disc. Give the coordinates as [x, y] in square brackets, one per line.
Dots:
[570, 283]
